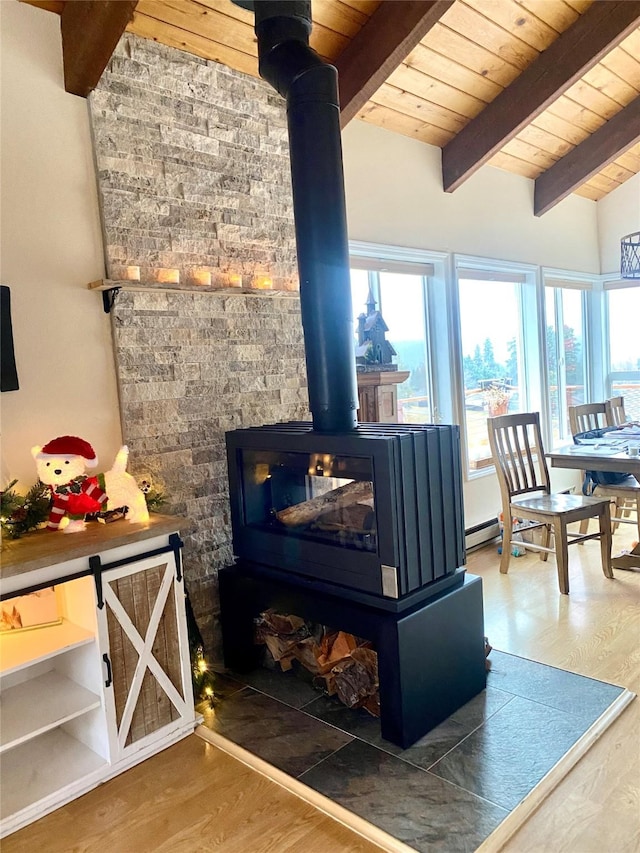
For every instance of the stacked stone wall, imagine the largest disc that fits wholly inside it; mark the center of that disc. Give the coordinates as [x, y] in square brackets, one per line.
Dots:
[193, 171]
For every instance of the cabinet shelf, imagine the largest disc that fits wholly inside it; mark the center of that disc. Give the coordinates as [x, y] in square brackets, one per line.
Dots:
[34, 707]
[42, 767]
[23, 648]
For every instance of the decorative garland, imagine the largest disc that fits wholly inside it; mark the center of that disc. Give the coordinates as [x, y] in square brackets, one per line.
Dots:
[21, 514]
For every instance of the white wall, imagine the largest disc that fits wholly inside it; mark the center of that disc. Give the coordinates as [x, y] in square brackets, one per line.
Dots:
[394, 196]
[51, 248]
[618, 214]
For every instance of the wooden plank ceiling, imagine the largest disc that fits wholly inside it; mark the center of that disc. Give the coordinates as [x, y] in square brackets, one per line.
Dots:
[548, 89]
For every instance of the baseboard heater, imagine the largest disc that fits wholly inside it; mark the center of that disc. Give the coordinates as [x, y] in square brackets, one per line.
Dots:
[482, 533]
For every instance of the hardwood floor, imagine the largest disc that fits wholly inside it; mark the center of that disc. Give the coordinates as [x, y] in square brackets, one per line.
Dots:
[192, 797]
[594, 631]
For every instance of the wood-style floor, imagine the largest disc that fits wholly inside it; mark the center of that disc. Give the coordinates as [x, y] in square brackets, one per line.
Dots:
[192, 797]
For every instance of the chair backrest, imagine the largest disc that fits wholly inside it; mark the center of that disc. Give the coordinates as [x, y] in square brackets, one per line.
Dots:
[588, 416]
[615, 411]
[518, 454]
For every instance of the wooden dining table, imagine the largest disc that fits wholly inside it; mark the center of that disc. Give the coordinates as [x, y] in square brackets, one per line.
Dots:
[592, 458]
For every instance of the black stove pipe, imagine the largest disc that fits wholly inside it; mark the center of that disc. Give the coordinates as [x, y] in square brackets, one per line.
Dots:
[310, 87]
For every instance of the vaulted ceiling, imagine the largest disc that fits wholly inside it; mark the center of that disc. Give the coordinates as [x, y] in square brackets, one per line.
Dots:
[548, 89]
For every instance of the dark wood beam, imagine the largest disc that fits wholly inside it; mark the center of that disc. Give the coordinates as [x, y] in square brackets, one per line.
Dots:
[587, 159]
[91, 30]
[604, 25]
[387, 38]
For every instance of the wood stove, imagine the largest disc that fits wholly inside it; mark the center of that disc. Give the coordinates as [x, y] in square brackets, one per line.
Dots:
[375, 510]
[356, 526]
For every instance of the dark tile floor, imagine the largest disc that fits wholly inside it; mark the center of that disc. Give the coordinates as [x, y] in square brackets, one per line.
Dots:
[448, 791]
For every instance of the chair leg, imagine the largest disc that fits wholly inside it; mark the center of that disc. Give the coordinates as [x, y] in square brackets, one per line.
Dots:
[605, 540]
[546, 541]
[562, 554]
[584, 527]
[620, 509]
[506, 541]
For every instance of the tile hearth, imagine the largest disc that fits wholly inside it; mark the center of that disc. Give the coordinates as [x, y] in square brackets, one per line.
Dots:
[448, 791]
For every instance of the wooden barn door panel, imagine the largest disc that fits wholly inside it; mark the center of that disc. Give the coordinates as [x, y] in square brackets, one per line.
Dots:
[146, 650]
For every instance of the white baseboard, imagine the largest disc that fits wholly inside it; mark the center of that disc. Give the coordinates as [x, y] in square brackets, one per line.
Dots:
[481, 534]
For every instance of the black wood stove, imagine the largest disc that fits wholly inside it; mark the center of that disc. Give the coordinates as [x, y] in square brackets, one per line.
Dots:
[376, 510]
[359, 527]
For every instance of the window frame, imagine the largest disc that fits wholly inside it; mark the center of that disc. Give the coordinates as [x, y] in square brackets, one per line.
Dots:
[588, 285]
[430, 266]
[610, 376]
[525, 276]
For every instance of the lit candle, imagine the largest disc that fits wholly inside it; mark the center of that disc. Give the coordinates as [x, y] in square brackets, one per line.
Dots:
[133, 273]
[167, 276]
[202, 277]
[263, 282]
[235, 280]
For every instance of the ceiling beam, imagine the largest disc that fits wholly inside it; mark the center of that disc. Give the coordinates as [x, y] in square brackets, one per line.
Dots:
[587, 159]
[566, 60]
[387, 38]
[91, 29]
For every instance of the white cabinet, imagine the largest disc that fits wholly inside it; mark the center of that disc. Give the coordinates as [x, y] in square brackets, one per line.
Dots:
[83, 700]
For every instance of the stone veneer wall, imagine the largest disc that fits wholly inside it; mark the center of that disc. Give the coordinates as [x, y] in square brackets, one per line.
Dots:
[193, 170]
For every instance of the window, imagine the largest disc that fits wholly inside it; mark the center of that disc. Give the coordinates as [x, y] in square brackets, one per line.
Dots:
[624, 347]
[399, 291]
[565, 353]
[493, 348]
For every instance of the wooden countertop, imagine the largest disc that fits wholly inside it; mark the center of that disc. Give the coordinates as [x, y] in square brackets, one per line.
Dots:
[51, 547]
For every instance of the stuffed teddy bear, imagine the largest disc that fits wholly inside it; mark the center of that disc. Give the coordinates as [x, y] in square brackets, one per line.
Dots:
[61, 465]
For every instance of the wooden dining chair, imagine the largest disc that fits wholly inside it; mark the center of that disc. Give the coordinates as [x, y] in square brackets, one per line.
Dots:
[587, 416]
[624, 496]
[518, 454]
[616, 415]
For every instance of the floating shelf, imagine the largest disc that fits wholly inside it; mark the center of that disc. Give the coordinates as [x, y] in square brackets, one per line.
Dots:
[36, 706]
[105, 284]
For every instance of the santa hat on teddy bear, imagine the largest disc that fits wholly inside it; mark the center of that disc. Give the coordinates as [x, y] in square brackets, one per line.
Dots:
[69, 445]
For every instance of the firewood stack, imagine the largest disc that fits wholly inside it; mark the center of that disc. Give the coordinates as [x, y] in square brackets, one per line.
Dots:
[342, 665]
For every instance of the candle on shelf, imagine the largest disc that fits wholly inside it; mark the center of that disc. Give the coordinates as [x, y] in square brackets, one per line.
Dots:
[235, 280]
[263, 282]
[202, 277]
[133, 273]
[168, 276]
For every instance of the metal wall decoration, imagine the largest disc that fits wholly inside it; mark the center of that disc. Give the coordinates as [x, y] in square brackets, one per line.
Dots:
[630, 256]
[8, 372]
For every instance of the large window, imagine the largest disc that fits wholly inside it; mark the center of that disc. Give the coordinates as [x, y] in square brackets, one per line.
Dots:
[493, 354]
[400, 297]
[481, 337]
[565, 353]
[624, 347]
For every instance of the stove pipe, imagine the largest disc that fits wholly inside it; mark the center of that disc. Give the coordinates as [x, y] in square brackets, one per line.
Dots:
[310, 87]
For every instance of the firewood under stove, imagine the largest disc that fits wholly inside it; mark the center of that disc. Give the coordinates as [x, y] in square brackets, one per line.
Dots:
[342, 665]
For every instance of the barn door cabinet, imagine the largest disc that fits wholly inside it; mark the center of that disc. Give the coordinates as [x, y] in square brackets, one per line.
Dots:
[109, 682]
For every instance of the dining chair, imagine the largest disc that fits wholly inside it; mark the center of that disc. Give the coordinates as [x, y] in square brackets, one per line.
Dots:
[624, 496]
[518, 454]
[616, 415]
[587, 416]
